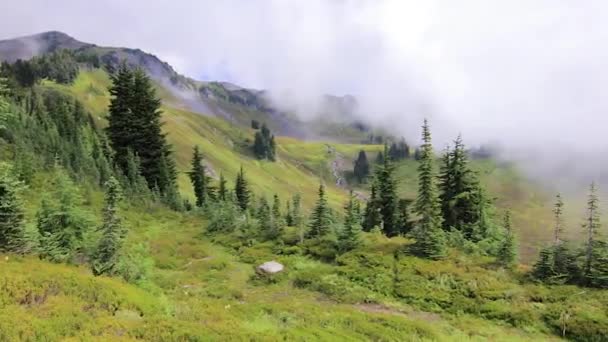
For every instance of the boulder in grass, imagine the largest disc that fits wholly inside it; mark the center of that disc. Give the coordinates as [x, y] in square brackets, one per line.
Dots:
[270, 267]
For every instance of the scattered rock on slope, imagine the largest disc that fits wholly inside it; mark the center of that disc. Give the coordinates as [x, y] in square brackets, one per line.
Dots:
[270, 267]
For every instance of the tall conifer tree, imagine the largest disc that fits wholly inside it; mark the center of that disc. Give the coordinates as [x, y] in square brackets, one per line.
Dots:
[430, 240]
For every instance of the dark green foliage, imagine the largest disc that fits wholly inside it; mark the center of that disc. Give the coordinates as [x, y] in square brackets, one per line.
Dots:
[320, 219]
[222, 190]
[277, 220]
[398, 151]
[405, 225]
[507, 253]
[255, 124]
[61, 223]
[198, 177]
[349, 237]
[112, 230]
[59, 66]
[460, 193]
[386, 196]
[557, 264]
[135, 183]
[134, 124]
[361, 167]
[12, 225]
[264, 217]
[595, 264]
[241, 190]
[430, 239]
[371, 216]
[264, 146]
[380, 158]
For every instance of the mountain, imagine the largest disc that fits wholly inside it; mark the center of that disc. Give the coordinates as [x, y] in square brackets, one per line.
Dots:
[234, 103]
[193, 275]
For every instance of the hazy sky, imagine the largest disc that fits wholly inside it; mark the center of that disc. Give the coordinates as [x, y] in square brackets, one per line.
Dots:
[523, 73]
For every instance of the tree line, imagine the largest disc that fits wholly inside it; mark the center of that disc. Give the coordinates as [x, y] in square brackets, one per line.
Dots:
[563, 263]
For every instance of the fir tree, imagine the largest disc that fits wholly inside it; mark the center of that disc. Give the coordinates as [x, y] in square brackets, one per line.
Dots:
[371, 216]
[595, 265]
[387, 196]
[61, 224]
[320, 220]
[361, 167]
[264, 146]
[265, 219]
[134, 123]
[296, 210]
[278, 223]
[507, 254]
[12, 227]
[241, 190]
[557, 215]
[350, 235]
[458, 191]
[430, 240]
[198, 177]
[222, 190]
[112, 232]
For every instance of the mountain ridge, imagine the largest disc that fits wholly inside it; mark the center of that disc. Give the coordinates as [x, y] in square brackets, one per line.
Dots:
[227, 100]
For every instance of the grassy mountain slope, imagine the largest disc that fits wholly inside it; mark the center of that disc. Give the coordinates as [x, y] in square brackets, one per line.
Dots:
[198, 290]
[302, 164]
[196, 285]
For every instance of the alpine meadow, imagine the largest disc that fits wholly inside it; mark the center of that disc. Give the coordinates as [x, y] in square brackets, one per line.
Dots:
[137, 203]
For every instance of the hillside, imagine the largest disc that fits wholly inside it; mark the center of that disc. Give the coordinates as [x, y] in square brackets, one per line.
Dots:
[89, 251]
[303, 163]
[231, 102]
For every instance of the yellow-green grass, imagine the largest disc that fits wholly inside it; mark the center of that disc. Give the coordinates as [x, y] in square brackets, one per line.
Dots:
[300, 167]
[196, 290]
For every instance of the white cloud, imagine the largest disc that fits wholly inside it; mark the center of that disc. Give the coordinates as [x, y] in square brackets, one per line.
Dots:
[528, 74]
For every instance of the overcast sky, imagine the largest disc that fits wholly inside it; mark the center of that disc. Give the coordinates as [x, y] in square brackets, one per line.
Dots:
[523, 73]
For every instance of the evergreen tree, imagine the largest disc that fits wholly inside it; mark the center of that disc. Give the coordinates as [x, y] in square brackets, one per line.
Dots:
[387, 196]
[134, 123]
[198, 177]
[61, 224]
[507, 254]
[288, 218]
[350, 235]
[121, 116]
[371, 216]
[595, 265]
[241, 190]
[320, 220]
[458, 191]
[222, 191]
[112, 232]
[405, 226]
[543, 268]
[264, 146]
[361, 167]
[278, 223]
[265, 218]
[430, 240]
[296, 211]
[557, 215]
[12, 226]
[135, 181]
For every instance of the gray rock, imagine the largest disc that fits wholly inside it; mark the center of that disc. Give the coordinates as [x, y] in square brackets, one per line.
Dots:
[270, 267]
